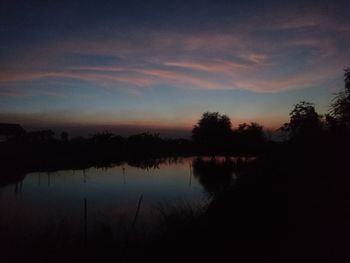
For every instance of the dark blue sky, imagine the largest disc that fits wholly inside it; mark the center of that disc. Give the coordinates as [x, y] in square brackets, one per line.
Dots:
[163, 63]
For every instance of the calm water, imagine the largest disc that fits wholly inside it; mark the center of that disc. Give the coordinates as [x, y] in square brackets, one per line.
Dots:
[110, 193]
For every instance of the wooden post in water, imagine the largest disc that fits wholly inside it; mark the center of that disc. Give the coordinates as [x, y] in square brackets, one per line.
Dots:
[84, 174]
[190, 183]
[124, 175]
[137, 213]
[85, 222]
[48, 179]
[125, 249]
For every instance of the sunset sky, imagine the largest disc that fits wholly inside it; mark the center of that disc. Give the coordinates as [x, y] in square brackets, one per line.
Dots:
[141, 64]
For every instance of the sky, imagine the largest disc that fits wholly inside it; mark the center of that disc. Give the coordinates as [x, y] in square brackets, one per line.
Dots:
[129, 66]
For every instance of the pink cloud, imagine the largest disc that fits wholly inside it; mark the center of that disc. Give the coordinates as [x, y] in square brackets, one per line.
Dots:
[231, 79]
[235, 59]
[218, 66]
[11, 94]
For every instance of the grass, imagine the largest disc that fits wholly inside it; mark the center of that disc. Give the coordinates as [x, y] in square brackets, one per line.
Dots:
[108, 239]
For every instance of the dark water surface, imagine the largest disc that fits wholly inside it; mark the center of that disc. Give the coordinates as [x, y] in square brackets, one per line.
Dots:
[110, 194]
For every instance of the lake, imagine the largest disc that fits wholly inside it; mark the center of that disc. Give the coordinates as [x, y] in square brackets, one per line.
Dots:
[113, 194]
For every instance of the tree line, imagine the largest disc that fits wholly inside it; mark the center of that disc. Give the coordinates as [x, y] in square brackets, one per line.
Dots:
[213, 134]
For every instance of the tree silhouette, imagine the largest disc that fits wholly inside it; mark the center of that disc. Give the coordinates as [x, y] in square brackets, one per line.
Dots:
[43, 135]
[102, 137]
[339, 117]
[251, 133]
[248, 137]
[305, 123]
[212, 132]
[64, 136]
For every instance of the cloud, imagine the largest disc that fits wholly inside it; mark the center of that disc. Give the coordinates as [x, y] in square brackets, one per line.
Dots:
[213, 66]
[11, 94]
[290, 52]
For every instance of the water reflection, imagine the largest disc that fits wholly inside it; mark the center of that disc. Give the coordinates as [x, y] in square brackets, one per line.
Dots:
[214, 174]
[113, 190]
[107, 204]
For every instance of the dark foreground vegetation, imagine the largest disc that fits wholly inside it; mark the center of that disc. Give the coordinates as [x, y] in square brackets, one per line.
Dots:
[291, 204]
[282, 208]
